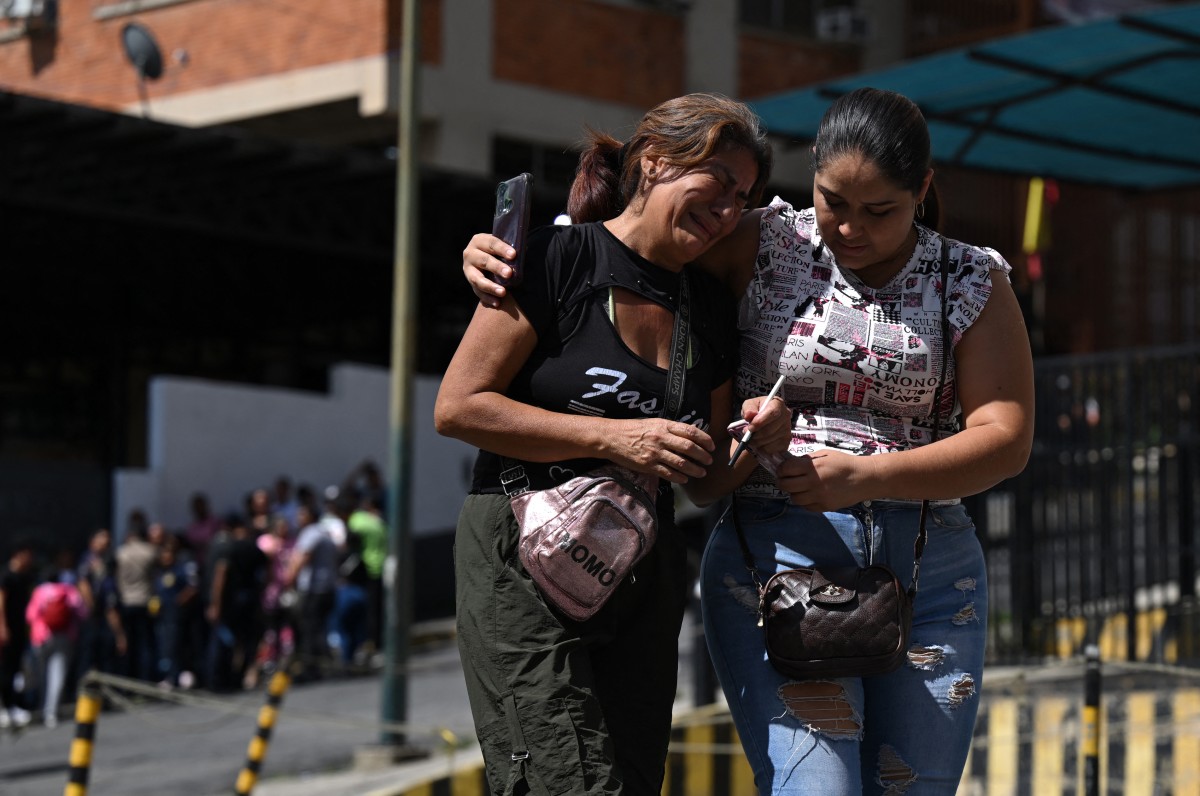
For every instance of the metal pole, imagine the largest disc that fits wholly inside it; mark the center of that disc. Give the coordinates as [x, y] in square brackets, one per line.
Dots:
[398, 572]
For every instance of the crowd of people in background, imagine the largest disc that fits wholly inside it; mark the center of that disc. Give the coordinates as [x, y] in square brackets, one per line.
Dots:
[295, 576]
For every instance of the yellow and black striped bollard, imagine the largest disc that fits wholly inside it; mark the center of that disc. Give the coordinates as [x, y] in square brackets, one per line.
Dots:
[87, 710]
[1091, 722]
[262, 736]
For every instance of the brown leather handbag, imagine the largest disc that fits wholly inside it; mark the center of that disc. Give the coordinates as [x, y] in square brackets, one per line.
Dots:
[841, 622]
[823, 622]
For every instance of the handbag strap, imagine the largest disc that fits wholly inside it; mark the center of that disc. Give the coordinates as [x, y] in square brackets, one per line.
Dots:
[935, 432]
[513, 478]
[680, 337]
[922, 533]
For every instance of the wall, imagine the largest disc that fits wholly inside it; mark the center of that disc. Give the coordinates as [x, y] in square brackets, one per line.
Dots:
[226, 439]
[768, 63]
[51, 503]
[533, 70]
[205, 43]
[612, 53]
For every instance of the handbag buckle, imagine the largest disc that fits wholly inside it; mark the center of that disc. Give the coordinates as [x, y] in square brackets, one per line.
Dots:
[825, 592]
[514, 481]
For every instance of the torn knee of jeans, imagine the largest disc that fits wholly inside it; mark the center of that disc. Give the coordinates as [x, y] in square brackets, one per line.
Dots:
[822, 707]
[895, 776]
[926, 658]
[745, 595]
[966, 615]
[961, 689]
[965, 585]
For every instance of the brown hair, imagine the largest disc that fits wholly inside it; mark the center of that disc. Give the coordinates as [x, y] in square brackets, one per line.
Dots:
[684, 131]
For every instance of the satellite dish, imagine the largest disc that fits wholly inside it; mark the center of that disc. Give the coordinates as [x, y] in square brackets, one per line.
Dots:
[142, 51]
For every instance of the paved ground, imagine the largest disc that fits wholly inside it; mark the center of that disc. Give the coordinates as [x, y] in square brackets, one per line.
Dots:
[156, 748]
[197, 749]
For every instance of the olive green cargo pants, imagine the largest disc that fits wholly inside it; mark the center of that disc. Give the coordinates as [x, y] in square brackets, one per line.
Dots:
[565, 707]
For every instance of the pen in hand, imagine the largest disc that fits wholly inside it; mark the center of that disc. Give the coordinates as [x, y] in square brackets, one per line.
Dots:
[746, 439]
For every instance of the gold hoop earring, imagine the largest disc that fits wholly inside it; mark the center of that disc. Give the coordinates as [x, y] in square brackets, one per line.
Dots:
[921, 209]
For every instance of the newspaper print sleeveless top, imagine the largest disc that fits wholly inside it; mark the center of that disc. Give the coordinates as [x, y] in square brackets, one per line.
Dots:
[860, 362]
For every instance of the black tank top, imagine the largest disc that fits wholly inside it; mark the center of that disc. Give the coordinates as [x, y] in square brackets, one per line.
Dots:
[580, 365]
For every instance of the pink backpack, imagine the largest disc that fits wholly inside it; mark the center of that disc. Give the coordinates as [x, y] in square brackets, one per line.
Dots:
[57, 612]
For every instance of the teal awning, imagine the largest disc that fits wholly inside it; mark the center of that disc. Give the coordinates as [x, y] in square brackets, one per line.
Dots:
[1114, 102]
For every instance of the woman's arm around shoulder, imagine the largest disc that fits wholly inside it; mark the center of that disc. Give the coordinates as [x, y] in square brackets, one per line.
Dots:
[485, 253]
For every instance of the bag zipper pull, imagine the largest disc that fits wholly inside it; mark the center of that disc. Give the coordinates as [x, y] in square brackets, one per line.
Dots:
[762, 605]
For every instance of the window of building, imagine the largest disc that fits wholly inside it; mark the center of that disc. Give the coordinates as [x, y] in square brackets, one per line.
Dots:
[19, 18]
[551, 166]
[1160, 287]
[1189, 298]
[1154, 282]
[937, 24]
[826, 20]
[786, 16]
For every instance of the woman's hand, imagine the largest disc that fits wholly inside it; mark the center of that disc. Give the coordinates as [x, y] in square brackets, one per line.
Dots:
[670, 449]
[486, 253]
[770, 424]
[827, 480]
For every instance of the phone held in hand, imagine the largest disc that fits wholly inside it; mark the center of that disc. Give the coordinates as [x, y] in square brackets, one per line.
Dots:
[511, 222]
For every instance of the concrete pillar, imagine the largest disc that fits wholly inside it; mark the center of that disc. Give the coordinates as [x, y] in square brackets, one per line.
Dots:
[885, 36]
[455, 97]
[711, 30]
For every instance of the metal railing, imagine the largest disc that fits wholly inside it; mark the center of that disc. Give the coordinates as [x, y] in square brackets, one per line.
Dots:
[1096, 541]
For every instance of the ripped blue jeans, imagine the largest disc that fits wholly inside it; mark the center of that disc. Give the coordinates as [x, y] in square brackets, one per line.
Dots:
[904, 732]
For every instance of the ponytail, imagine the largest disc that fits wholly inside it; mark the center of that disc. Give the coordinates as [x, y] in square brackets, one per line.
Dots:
[596, 192]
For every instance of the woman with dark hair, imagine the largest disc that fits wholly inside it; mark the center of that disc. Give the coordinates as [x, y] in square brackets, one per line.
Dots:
[844, 300]
[567, 376]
